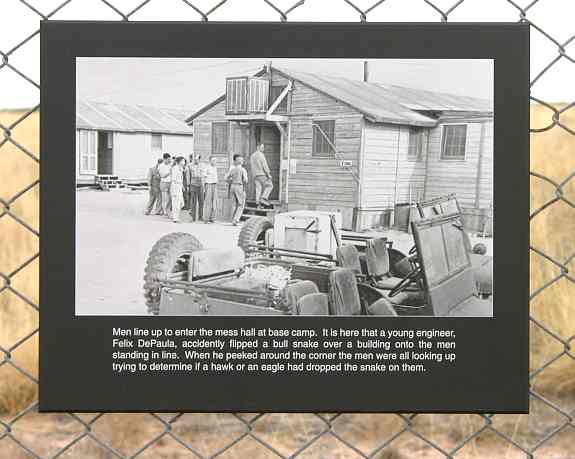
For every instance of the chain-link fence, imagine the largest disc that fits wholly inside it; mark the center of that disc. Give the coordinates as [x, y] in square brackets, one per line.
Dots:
[547, 432]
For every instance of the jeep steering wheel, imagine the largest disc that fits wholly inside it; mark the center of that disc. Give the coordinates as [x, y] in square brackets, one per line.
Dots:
[412, 277]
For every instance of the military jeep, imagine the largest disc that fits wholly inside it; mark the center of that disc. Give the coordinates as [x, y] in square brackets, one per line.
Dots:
[182, 278]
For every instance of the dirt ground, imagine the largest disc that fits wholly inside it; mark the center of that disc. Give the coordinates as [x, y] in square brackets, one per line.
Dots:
[114, 238]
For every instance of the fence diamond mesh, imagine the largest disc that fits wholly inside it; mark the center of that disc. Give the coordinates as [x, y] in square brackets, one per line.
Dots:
[547, 432]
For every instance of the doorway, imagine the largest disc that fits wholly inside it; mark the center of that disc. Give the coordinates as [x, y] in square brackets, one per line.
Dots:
[271, 138]
[105, 153]
[246, 137]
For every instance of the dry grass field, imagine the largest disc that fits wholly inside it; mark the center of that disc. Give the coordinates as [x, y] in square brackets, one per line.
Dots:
[552, 231]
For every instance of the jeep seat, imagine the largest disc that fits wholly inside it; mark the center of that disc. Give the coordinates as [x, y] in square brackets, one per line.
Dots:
[377, 262]
[344, 299]
[313, 304]
[404, 304]
[347, 256]
[294, 291]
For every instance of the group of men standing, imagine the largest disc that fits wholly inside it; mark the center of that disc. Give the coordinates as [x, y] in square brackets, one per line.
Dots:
[176, 184]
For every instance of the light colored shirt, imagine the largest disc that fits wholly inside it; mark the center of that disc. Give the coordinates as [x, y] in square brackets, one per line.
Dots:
[195, 174]
[165, 171]
[211, 174]
[237, 175]
[177, 175]
[259, 164]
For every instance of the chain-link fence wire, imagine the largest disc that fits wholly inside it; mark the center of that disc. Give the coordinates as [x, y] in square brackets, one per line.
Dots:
[547, 432]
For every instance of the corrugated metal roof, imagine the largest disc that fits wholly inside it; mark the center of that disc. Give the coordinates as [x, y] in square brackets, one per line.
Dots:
[130, 118]
[382, 103]
[419, 99]
[367, 98]
[389, 103]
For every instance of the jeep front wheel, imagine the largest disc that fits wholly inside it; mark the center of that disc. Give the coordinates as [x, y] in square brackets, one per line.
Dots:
[253, 232]
[168, 260]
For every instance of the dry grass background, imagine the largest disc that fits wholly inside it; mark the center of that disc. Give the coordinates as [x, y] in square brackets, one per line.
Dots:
[552, 154]
[17, 244]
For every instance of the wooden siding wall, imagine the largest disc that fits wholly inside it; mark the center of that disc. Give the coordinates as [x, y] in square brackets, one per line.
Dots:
[459, 176]
[177, 144]
[321, 183]
[203, 146]
[381, 147]
[132, 155]
[389, 176]
[280, 80]
[486, 181]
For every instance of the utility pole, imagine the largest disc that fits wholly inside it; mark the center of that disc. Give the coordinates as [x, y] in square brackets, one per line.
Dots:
[365, 71]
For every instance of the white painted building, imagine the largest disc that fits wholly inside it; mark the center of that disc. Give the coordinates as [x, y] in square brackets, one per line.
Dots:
[126, 140]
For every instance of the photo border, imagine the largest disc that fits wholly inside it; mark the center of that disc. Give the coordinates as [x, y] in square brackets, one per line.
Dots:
[491, 374]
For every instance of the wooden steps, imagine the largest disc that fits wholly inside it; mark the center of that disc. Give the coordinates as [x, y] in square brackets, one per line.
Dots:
[110, 182]
[250, 210]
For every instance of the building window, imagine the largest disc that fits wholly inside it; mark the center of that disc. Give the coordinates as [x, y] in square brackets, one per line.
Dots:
[453, 144]
[323, 138]
[87, 152]
[220, 138]
[417, 143]
[236, 95]
[275, 92]
[258, 90]
[157, 142]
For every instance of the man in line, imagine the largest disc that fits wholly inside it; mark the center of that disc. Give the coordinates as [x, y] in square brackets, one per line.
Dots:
[155, 200]
[262, 176]
[177, 188]
[195, 188]
[210, 191]
[186, 191]
[165, 172]
[237, 177]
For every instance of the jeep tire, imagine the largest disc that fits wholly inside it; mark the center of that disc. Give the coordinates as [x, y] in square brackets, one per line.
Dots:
[253, 232]
[168, 256]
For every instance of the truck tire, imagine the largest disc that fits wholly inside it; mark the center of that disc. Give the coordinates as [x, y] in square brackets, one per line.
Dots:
[168, 256]
[253, 232]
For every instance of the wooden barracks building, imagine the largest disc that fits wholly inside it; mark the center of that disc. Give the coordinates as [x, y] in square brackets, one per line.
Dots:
[358, 147]
[124, 141]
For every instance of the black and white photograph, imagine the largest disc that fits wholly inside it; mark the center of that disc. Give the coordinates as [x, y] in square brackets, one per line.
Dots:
[298, 187]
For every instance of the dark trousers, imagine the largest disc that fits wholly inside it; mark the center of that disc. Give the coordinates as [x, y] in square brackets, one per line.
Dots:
[186, 197]
[196, 201]
[155, 202]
